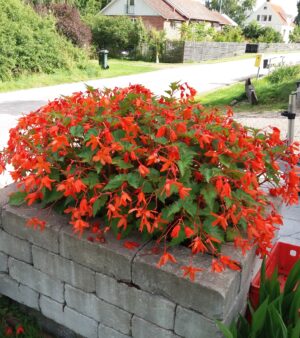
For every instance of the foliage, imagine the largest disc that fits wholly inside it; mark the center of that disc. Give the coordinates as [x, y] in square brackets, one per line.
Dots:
[156, 42]
[295, 34]
[257, 33]
[116, 33]
[196, 32]
[277, 314]
[235, 9]
[230, 34]
[297, 18]
[283, 73]
[14, 323]
[30, 44]
[68, 23]
[160, 165]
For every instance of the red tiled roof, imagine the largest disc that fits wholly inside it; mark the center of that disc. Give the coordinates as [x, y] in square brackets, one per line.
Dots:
[165, 10]
[281, 13]
[193, 10]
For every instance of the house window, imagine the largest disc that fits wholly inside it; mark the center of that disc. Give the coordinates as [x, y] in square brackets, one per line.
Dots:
[265, 7]
[131, 2]
[258, 17]
[270, 17]
[264, 18]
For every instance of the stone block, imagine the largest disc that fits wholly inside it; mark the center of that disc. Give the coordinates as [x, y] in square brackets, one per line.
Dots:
[4, 197]
[75, 321]
[143, 329]
[190, 324]
[107, 332]
[91, 306]
[153, 308]
[14, 222]
[210, 293]
[64, 269]
[15, 247]
[110, 258]
[18, 292]
[35, 279]
[3, 262]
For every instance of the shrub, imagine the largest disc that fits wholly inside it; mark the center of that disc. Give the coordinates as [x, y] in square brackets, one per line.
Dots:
[230, 34]
[68, 23]
[295, 35]
[116, 33]
[284, 73]
[162, 166]
[257, 33]
[29, 43]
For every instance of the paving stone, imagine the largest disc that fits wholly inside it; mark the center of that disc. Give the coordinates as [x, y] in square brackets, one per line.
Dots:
[110, 258]
[291, 212]
[91, 306]
[210, 293]
[143, 329]
[64, 269]
[153, 308]
[18, 292]
[75, 321]
[107, 332]
[35, 279]
[15, 247]
[14, 222]
[3, 262]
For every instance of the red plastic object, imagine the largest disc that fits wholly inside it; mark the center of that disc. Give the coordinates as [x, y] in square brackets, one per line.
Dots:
[284, 256]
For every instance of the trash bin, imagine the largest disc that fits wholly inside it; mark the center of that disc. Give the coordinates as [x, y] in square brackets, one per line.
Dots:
[266, 64]
[251, 48]
[103, 58]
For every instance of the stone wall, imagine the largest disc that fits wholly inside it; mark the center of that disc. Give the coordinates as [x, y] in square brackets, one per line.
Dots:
[277, 47]
[105, 290]
[201, 51]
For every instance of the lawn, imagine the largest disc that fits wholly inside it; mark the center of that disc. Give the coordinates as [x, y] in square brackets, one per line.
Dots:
[272, 94]
[94, 71]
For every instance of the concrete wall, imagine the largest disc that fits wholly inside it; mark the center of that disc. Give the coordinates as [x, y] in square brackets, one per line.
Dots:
[104, 290]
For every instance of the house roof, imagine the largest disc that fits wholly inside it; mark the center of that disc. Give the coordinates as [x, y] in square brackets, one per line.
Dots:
[193, 10]
[165, 10]
[281, 13]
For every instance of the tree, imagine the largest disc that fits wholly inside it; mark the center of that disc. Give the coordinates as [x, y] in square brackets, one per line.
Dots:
[254, 32]
[235, 9]
[295, 35]
[297, 19]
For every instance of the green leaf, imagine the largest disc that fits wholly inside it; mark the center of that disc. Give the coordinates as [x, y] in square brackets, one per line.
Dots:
[173, 209]
[51, 196]
[77, 131]
[147, 187]
[280, 328]
[224, 329]
[115, 182]
[259, 317]
[86, 155]
[293, 278]
[225, 160]
[190, 206]
[135, 180]
[17, 198]
[91, 180]
[209, 172]
[214, 231]
[99, 203]
[119, 162]
[209, 194]
[186, 159]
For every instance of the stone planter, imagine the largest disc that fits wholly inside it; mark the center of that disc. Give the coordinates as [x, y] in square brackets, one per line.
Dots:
[106, 290]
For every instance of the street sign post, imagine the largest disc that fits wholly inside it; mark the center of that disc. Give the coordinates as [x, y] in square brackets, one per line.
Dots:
[257, 63]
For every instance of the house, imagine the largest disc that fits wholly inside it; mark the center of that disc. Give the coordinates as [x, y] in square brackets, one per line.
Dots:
[271, 15]
[166, 15]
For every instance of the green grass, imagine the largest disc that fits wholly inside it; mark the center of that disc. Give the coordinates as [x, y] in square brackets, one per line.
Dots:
[94, 71]
[271, 96]
[12, 317]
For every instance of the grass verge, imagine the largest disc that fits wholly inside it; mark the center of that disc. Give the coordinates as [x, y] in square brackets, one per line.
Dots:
[93, 71]
[272, 94]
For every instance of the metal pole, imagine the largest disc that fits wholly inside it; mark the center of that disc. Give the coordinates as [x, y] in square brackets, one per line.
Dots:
[291, 130]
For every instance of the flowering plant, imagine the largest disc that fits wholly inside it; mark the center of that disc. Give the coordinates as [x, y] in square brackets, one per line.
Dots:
[164, 166]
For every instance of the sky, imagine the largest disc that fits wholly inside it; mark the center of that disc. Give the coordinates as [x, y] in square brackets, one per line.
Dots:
[288, 5]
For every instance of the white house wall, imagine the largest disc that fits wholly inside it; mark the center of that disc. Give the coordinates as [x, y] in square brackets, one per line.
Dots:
[275, 22]
[119, 7]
